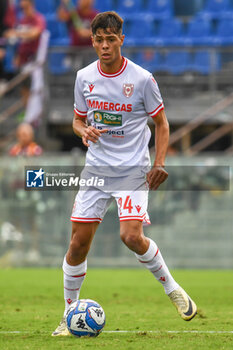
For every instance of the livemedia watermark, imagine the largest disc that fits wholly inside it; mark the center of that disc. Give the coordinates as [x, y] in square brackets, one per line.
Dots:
[51, 178]
[106, 178]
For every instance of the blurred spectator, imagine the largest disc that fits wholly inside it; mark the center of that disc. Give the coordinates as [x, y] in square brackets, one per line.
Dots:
[27, 35]
[28, 148]
[7, 21]
[27, 32]
[25, 145]
[78, 19]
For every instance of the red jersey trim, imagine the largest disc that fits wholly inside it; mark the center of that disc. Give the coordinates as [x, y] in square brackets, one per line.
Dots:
[161, 104]
[80, 113]
[85, 220]
[77, 276]
[147, 221]
[132, 218]
[120, 71]
[136, 216]
[156, 111]
[146, 262]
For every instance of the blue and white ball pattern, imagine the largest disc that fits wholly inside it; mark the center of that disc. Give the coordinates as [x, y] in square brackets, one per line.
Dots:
[85, 318]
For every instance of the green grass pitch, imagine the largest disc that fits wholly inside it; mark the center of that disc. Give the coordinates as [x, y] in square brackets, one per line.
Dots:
[32, 304]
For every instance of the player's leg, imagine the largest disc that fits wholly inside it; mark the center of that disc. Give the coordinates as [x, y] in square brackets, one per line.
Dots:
[88, 211]
[75, 266]
[132, 210]
[75, 263]
[147, 253]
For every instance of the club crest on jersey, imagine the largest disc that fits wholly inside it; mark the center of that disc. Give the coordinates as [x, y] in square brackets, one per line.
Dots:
[128, 90]
[91, 87]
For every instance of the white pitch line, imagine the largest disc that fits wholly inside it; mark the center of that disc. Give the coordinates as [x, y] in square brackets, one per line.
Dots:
[133, 332]
[174, 332]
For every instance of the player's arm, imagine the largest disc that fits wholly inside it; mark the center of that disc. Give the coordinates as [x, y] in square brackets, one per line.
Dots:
[87, 133]
[67, 12]
[31, 34]
[158, 174]
[62, 13]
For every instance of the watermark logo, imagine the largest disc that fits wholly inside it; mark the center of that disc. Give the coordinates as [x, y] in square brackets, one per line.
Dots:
[122, 178]
[59, 178]
[35, 178]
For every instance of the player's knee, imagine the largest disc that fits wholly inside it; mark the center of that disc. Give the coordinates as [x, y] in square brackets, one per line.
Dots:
[131, 236]
[131, 241]
[78, 247]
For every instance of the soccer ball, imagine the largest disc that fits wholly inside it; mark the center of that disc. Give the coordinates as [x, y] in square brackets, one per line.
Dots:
[85, 317]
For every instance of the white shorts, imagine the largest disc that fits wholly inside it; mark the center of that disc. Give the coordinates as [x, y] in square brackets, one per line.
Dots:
[91, 205]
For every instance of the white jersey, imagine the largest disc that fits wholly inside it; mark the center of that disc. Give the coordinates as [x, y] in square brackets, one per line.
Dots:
[120, 102]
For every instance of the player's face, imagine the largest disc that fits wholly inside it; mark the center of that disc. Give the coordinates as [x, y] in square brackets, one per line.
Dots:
[24, 135]
[108, 46]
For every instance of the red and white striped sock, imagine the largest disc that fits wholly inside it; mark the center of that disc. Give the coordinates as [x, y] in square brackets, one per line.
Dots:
[154, 262]
[73, 277]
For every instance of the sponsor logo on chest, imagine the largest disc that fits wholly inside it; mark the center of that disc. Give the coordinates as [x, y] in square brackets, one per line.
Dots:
[108, 118]
[114, 133]
[109, 106]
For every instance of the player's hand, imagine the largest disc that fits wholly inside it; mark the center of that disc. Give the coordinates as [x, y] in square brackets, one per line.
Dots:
[10, 33]
[92, 134]
[156, 176]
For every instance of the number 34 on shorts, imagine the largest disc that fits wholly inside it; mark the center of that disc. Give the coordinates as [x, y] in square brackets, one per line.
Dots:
[133, 206]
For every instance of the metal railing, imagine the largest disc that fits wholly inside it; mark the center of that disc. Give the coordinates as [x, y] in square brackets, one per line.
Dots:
[79, 57]
[199, 120]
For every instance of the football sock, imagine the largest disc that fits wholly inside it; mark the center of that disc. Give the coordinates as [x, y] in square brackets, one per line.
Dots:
[154, 262]
[73, 277]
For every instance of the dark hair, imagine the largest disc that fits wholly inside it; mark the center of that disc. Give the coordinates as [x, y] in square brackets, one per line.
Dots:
[109, 19]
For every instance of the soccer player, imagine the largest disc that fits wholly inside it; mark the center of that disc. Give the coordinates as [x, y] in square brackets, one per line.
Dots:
[113, 99]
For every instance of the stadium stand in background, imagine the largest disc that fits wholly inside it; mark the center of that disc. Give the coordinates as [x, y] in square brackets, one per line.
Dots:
[187, 45]
[153, 23]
